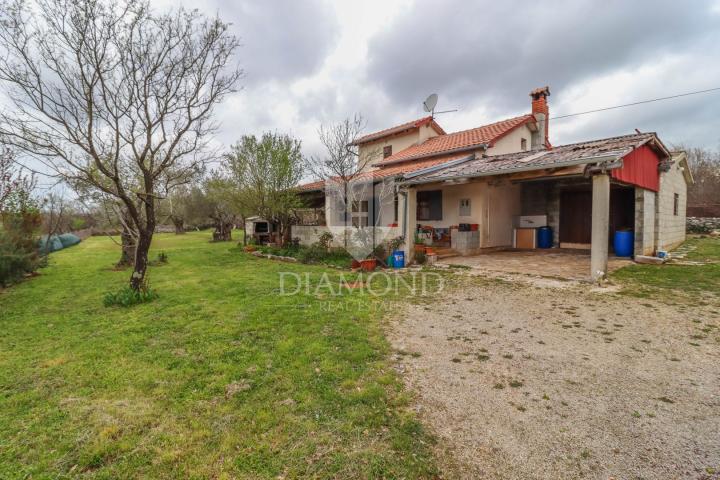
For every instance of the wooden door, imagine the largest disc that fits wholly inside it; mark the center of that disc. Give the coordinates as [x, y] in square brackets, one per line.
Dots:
[576, 218]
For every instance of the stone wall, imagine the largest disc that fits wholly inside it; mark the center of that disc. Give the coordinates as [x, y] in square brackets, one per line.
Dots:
[702, 224]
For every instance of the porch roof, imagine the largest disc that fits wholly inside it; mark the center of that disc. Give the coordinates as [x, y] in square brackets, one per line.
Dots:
[560, 156]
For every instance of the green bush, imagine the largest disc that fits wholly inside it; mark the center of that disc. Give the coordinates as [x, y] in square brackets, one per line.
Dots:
[311, 254]
[127, 297]
[420, 258]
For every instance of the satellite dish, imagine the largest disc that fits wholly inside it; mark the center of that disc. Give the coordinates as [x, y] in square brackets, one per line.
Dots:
[430, 103]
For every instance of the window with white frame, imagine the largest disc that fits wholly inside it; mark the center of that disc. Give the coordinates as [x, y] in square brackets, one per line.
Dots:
[465, 207]
[360, 210]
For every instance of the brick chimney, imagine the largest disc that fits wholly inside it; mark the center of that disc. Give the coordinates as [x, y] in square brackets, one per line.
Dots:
[542, 114]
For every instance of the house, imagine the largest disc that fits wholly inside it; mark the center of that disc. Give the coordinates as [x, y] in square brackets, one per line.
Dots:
[475, 190]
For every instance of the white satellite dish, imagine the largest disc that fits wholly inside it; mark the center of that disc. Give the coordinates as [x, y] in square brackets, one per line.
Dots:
[430, 103]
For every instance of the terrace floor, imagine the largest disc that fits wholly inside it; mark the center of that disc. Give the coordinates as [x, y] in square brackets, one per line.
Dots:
[560, 263]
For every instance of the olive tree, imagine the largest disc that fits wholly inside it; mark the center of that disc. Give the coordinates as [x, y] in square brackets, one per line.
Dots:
[265, 172]
[114, 95]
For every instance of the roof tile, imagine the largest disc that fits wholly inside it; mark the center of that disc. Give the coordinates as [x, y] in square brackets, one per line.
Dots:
[466, 139]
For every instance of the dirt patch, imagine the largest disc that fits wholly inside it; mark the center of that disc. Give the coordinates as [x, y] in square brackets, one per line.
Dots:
[522, 380]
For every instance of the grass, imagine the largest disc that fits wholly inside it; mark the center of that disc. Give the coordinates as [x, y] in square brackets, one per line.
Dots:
[219, 377]
[647, 281]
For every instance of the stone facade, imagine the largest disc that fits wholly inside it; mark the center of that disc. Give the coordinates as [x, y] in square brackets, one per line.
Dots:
[702, 224]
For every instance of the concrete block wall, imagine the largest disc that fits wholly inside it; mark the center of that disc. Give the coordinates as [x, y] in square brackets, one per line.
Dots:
[644, 221]
[670, 228]
[465, 243]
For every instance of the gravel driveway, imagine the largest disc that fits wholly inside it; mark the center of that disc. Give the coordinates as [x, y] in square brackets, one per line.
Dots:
[525, 380]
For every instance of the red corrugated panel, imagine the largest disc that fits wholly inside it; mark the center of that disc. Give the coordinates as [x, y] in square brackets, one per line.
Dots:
[640, 167]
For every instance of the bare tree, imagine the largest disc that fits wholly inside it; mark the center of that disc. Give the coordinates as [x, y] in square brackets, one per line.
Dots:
[114, 95]
[704, 194]
[342, 165]
[12, 179]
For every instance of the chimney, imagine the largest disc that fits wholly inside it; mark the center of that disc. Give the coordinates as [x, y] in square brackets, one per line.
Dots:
[541, 112]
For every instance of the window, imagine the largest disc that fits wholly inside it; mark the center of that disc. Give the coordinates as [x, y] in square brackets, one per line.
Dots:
[523, 144]
[360, 213]
[676, 204]
[360, 206]
[387, 151]
[429, 205]
[464, 207]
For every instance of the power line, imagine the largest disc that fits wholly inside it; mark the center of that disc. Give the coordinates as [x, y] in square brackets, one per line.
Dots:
[637, 103]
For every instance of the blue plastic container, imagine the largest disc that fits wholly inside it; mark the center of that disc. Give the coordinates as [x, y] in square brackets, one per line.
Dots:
[398, 259]
[544, 237]
[623, 243]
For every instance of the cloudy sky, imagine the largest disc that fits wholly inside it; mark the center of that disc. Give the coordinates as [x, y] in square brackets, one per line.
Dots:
[313, 61]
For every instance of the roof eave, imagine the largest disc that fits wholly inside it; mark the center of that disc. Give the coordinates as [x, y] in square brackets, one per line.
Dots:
[478, 146]
[530, 168]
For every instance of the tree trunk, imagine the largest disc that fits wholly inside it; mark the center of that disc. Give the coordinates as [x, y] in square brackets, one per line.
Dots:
[223, 231]
[127, 242]
[179, 224]
[137, 280]
[144, 239]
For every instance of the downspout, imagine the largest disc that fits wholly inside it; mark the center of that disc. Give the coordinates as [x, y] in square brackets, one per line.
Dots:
[373, 216]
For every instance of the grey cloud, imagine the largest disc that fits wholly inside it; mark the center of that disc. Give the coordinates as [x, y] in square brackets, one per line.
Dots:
[489, 51]
[281, 39]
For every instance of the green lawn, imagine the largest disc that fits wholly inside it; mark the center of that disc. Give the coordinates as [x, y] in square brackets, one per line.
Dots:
[220, 377]
[653, 280]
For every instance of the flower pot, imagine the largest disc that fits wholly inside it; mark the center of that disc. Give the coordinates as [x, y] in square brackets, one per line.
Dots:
[354, 264]
[368, 264]
[420, 248]
[429, 251]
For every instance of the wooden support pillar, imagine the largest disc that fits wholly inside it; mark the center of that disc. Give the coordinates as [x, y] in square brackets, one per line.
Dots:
[600, 226]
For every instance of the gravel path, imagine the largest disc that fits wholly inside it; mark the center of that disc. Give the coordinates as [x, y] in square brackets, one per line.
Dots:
[531, 380]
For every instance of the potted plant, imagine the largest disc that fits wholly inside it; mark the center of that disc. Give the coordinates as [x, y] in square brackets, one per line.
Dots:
[369, 264]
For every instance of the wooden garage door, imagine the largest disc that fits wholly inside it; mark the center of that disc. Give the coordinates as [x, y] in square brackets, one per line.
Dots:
[576, 217]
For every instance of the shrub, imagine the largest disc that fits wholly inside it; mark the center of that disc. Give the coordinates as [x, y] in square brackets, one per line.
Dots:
[313, 253]
[127, 297]
[420, 258]
[18, 249]
[325, 241]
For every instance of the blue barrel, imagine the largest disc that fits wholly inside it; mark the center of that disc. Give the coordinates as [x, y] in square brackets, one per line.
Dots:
[544, 237]
[623, 243]
[398, 259]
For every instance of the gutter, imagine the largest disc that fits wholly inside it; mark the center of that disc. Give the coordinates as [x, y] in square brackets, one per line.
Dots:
[608, 157]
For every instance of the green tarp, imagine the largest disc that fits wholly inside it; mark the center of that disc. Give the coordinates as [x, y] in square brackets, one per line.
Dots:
[57, 242]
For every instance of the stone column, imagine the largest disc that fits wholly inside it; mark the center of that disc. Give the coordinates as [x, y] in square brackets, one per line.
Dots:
[600, 226]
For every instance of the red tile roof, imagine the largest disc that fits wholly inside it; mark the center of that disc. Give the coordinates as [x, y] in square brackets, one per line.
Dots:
[414, 124]
[459, 141]
[390, 170]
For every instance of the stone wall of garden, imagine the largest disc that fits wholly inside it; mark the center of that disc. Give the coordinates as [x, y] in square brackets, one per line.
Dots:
[702, 224]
